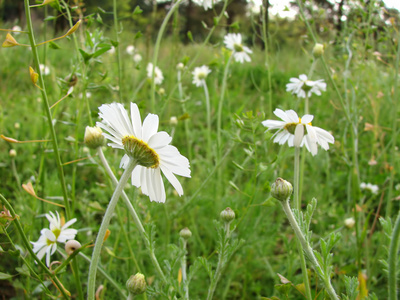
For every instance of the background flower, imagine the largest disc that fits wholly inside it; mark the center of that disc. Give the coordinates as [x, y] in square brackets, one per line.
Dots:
[233, 41]
[302, 86]
[158, 76]
[200, 74]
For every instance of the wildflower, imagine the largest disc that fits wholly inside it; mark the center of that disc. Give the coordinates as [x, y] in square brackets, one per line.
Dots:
[200, 74]
[318, 50]
[180, 66]
[158, 76]
[207, 4]
[94, 137]
[130, 49]
[12, 153]
[137, 58]
[300, 86]
[173, 121]
[373, 188]
[281, 189]
[227, 215]
[349, 222]
[185, 233]
[298, 131]
[233, 41]
[149, 148]
[16, 29]
[45, 70]
[58, 232]
[136, 285]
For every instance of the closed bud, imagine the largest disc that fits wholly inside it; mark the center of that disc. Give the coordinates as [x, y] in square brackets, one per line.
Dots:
[227, 215]
[34, 75]
[173, 121]
[349, 223]
[71, 246]
[9, 41]
[185, 233]
[281, 189]
[136, 285]
[74, 28]
[318, 50]
[180, 66]
[12, 153]
[94, 137]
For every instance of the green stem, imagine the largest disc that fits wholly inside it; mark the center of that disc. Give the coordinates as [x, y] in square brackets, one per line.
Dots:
[29, 248]
[183, 267]
[103, 228]
[118, 49]
[309, 251]
[47, 110]
[157, 48]
[187, 131]
[297, 205]
[208, 107]
[134, 216]
[267, 63]
[393, 250]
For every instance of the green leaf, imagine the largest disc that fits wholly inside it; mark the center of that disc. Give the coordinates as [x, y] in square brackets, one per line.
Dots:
[49, 18]
[54, 46]
[190, 36]
[5, 276]
[86, 56]
[23, 270]
[235, 25]
[101, 51]
[138, 35]
[114, 43]
[137, 10]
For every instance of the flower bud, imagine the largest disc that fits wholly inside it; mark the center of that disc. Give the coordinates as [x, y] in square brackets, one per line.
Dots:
[94, 137]
[12, 153]
[349, 223]
[180, 66]
[173, 121]
[185, 233]
[281, 189]
[137, 58]
[318, 50]
[161, 91]
[227, 215]
[136, 285]
[71, 246]
[17, 125]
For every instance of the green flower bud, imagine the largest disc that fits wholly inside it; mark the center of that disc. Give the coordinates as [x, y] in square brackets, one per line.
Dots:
[94, 137]
[136, 285]
[185, 233]
[281, 189]
[227, 215]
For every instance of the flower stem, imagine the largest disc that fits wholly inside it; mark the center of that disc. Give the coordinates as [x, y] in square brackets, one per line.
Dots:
[297, 205]
[182, 100]
[134, 216]
[392, 262]
[183, 267]
[208, 107]
[157, 48]
[115, 16]
[309, 252]
[103, 228]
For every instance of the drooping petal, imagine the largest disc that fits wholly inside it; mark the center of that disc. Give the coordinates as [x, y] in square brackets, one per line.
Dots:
[298, 135]
[150, 127]
[173, 180]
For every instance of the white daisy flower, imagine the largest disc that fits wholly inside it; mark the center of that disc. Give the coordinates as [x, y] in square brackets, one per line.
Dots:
[233, 41]
[130, 49]
[158, 76]
[300, 86]
[298, 131]
[137, 58]
[45, 70]
[17, 29]
[149, 148]
[200, 74]
[58, 232]
[373, 188]
[207, 4]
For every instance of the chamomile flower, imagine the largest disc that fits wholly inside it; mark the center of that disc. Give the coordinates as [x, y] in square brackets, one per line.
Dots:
[302, 86]
[158, 75]
[58, 232]
[233, 41]
[149, 148]
[298, 131]
[373, 188]
[45, 70]
[200, 74]
[130, 49]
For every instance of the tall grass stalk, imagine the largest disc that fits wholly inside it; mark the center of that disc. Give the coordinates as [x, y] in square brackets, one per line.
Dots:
[393, 257]
[103, 228]
[118, 49]
[208, 107]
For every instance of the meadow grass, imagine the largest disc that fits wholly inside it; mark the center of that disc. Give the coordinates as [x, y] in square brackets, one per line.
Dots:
[237, 172]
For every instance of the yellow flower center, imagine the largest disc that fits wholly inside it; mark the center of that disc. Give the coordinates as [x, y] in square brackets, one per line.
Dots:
[140, 152]
[57, 233]
[291, 127]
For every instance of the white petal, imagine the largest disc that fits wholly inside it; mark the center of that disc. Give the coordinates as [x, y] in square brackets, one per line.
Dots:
[136, 176]
[172, 179]
[50, 235]
[124, 162]
[150, 127]
[136, 120]
[312, 140]
[307, 119]
[292, 115]
[70, 222]
[283, 115]
[298, 135]
[160, 139]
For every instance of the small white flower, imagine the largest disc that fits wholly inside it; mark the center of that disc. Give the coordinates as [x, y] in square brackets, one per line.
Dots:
[233, 41]
[45, 70]
[300, 86]
[137, 58]
[207, 4]
[17, 29]
[149, 148]
[349, 222]
[58, 232]
[298, 131]
[373, 188]
[130, 49]
[158, 76]
[200, 74]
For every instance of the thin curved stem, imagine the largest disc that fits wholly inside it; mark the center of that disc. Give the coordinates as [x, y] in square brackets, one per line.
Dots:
[393, 250]
[103, 228]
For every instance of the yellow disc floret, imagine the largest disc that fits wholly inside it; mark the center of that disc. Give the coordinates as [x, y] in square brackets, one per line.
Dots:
[141, 152]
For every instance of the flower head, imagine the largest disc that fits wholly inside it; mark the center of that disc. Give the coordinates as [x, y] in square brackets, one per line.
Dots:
[233, 41]
[130, 49]
[58, 232]
[302, 86]
[158, 76]
[200, 74]
[373, 188]
[298, 131]
[207, 4]
[149, 148]
[137, 58]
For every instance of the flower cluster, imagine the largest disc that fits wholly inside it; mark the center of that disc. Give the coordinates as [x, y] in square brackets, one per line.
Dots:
[58, 232]
[298, 131]
[150, 149]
